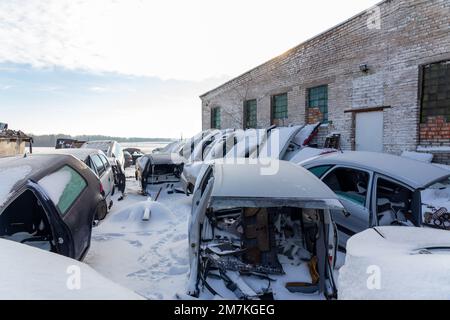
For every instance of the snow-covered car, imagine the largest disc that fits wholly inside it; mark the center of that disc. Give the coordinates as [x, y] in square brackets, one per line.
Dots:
[158, 168]
[381, 189]
[113, 150]
[261, 236]
[50, 202]
[99, 164]
[215, 150]
[392, 263]
[32, 274]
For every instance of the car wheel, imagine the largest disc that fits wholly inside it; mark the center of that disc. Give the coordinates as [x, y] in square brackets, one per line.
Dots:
[102, 210]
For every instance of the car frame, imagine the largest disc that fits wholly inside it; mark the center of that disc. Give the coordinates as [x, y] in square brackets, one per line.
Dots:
[223, 189]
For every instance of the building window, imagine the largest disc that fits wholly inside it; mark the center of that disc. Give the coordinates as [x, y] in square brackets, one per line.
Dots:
[250, 114]
[436, 91]
[215, 118]
[318, 99]
[279, 107]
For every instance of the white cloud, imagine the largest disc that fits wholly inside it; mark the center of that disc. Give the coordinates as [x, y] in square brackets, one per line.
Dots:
[179, 39]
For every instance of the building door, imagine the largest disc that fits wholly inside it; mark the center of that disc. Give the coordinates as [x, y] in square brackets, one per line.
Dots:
[369, 131]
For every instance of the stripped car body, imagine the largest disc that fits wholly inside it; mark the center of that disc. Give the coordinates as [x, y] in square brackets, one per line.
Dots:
[158, 168]
[381, 190]
[244, 225]
[49, 201]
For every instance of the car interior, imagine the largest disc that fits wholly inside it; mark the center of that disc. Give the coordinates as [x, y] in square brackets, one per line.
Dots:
[394, 204]
[349, 183]
[244, 245]
[25, 221]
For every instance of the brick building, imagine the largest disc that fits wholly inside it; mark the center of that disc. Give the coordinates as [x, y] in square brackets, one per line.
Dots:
[380, 79]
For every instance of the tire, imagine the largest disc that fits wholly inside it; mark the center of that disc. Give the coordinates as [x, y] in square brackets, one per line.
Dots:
[102, 211]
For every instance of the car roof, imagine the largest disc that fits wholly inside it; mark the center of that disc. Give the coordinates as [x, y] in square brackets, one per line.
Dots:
[81, 154]
[414, 173]
[234, 180]
[16, 171]
[164, 158]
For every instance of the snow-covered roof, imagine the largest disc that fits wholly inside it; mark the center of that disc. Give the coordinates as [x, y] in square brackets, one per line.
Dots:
[414, 173]
[81, 154]
[30, 273]
[270, 179]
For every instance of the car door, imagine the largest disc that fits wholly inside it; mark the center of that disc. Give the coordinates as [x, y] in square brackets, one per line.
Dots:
[352, 186]
[199, 206]
[101, 172]
[108, 176]
[393, 203]
[65, 187]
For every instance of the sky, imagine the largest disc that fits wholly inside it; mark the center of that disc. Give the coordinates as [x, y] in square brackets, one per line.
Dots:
[136, 68]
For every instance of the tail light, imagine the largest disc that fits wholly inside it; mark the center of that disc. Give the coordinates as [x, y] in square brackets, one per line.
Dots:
[102, 190]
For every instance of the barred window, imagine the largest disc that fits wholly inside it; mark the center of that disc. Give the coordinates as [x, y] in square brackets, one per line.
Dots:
[318, 98]
[215, 118]
[280, 106]
[250, 114]
[436, 91]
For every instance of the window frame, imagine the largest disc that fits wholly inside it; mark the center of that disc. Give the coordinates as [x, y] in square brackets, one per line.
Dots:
[368, 201]
[273, 110]
[69, 208]
[95, 166]
[214, 112]
[422, 82]
[246, 114]
[374, 194]
[309, 105]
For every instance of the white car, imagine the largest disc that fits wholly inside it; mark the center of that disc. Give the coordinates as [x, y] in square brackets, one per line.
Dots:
[32, 274]
[112, 149]
[248, 230]
[393, 263]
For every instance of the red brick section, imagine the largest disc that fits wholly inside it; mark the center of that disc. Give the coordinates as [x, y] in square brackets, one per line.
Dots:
[435, 131]
[313, 115]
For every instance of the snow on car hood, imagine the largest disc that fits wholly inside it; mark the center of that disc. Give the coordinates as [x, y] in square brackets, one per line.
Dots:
[33, 274]
[9, 177]
[393, 264]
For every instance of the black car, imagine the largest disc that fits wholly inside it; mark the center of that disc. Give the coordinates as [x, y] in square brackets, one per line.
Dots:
[135, 153]
[50, 202]
[159, 168]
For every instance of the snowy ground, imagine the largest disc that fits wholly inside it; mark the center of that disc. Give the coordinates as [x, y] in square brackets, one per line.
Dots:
[149, 257]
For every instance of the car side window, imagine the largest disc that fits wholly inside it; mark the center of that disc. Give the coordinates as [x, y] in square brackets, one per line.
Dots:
[320, 171]
[393, 203]
[63, 187]
[205, 180]
[350, 184]
[98, 165]
[105, 161]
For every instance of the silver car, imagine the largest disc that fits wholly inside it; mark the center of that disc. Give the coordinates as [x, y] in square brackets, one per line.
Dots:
[379, 189]
[247, 226]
